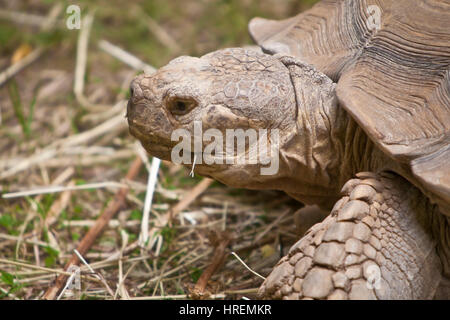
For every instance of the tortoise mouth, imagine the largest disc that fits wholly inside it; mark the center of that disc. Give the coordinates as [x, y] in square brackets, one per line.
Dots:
[157, 147]
[142, 124]
[153, 144]
[162, 148]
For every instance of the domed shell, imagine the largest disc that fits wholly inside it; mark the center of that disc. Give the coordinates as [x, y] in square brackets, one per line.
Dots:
[391, 62]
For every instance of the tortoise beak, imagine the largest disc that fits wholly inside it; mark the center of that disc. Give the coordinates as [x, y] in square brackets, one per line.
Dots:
[129, 106]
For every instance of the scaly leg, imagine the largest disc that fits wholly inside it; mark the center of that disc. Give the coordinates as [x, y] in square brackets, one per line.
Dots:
[375, 244]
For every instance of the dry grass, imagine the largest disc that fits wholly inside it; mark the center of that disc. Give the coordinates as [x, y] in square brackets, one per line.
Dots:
[65, 150]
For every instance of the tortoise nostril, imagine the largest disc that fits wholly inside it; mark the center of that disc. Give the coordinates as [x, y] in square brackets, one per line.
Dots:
[137, 86]
[132, 89]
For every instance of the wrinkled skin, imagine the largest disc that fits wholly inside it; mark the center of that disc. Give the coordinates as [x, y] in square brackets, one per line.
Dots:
[321, 149]
[237, 88]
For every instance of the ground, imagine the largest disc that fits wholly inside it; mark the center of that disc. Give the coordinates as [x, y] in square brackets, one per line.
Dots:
[50, 136]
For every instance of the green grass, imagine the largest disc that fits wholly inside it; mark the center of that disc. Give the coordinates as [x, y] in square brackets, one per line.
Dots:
[10, 222]
[51, 257]
[24, 121]
[8, 279]
[10, 38]
[195, 274]
[168, 235]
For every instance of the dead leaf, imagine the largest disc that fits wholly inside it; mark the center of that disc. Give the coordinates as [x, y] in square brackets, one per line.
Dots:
[267, 251]
[21, 52]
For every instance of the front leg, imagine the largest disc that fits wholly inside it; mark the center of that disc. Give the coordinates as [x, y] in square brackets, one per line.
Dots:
[375, 244]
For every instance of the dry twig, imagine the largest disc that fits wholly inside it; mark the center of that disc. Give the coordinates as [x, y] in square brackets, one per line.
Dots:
[125, 57]
[96, 230]
[224, 239]
[190, 197]
[80, 68]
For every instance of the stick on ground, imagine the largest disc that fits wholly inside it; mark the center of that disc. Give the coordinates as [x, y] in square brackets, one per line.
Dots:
[95, 231]
[190, 197]
[220, 253]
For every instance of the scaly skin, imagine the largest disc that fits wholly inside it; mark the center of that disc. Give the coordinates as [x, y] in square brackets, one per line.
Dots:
[321, 148]
[375, 244]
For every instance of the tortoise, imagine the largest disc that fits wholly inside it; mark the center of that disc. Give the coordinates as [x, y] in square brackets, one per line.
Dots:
[359, 93]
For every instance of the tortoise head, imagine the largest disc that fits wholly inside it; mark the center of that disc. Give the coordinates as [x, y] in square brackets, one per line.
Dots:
[192, 107]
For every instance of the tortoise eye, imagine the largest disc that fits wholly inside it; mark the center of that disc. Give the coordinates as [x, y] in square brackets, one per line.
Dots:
[181, 107]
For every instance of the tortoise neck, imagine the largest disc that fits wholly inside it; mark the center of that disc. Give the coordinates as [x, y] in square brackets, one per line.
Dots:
[359, 152]
[326, 146]
[315, 152]
[329, 148]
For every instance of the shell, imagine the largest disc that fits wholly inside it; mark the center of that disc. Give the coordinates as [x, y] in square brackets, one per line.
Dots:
[391, 62]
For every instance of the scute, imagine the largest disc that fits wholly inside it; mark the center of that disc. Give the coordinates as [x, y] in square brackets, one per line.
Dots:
[327, 36]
